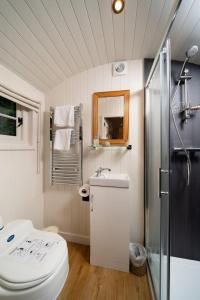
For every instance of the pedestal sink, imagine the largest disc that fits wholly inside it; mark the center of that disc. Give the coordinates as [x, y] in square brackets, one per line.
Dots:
[110, 179]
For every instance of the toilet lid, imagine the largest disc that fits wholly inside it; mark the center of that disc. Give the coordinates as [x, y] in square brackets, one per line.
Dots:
[29, 256]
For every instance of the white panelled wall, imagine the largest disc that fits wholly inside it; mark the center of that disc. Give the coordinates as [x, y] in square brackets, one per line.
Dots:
[63, 206]
[21, 188]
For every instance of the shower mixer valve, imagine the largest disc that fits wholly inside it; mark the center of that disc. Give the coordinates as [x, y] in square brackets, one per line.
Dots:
[188, 110]
[187, 107]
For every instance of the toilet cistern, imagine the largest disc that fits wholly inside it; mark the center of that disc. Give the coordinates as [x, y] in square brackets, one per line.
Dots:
[100, 170]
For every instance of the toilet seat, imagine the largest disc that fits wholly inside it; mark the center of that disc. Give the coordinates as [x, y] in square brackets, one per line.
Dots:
[29, 258]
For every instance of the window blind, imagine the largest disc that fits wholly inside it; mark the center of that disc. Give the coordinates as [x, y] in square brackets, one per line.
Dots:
[19, 99]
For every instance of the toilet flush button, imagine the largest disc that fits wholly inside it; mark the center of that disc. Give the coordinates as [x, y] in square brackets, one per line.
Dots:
[10, 238]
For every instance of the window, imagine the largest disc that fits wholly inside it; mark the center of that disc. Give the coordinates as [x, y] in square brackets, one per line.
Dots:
[8, 117]
[17, 125]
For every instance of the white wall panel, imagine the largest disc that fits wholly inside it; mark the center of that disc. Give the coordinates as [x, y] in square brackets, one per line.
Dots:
[20, 185]
[63, 206]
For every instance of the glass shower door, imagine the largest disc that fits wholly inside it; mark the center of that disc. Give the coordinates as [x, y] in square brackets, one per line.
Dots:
[152, 177]
[157, 174]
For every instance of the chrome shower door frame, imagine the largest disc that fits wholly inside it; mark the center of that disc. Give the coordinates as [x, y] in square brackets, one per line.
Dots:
[165, 60]
[160, 194]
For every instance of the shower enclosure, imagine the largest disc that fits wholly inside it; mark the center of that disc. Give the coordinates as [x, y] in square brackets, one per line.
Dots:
[157, 172]
[172, 160]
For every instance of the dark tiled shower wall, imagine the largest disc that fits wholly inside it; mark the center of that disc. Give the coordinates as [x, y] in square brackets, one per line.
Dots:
[184, 200]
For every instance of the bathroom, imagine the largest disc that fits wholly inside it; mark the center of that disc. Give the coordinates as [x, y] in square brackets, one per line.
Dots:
[121, 171]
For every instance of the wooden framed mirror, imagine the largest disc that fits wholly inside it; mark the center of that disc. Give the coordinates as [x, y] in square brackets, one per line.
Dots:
[111, 117]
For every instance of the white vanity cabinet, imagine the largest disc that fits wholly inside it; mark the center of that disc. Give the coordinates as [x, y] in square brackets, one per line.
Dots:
[109, 227]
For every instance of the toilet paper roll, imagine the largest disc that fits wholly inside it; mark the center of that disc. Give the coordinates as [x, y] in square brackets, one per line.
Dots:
[84, 190]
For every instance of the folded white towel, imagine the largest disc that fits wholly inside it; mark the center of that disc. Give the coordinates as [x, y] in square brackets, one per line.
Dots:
[64, 116]
[62, 139]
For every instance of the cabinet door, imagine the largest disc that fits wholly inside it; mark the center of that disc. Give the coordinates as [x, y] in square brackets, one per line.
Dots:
[109, 227]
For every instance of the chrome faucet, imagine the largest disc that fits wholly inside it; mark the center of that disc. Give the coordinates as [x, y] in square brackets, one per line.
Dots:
[100, 170]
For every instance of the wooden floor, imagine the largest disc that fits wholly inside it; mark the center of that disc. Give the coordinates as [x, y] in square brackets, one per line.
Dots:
[86, 282]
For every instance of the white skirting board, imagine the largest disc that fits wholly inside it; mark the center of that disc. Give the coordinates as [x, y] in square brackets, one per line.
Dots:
[75, 238]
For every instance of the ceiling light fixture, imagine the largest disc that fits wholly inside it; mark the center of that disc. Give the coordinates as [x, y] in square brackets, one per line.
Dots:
[118, 6]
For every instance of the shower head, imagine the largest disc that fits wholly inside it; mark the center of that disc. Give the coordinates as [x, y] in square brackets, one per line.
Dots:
[192, 51]
[189, 53]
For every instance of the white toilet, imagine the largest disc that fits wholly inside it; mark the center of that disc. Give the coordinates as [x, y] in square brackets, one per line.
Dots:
[33, 263]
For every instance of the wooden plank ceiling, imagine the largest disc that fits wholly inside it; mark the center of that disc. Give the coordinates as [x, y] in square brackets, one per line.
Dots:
[45, 41]
[186, 30]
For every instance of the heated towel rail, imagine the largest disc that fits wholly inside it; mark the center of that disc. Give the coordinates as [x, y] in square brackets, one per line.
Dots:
[66, 166]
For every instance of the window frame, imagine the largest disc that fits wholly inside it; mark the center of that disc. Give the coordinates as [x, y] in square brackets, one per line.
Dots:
[25, 138]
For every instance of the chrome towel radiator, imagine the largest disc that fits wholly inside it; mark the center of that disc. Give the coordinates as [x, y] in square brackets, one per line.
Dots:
[66, 166]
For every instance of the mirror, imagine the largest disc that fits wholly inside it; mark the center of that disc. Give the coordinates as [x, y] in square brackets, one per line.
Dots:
[111, 117]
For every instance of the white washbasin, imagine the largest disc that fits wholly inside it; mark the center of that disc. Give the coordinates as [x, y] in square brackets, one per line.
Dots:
[110, 179]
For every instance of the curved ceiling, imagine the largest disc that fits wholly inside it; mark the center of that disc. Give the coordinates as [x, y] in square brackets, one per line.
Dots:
[186, 30]
[45, 41]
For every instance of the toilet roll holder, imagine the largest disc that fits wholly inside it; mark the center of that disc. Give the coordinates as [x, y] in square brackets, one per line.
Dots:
[84, 192]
